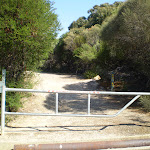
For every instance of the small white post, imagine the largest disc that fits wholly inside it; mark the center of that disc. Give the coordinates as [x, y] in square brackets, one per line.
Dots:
[89, 98]
[3, 103]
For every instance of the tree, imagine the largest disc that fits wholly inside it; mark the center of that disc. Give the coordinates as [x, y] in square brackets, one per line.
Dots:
[77, 50]
[99, 13]
[92, 34]
[28, 29]
[86, 53]
[81, 22]
[96, 15]
[128, 34]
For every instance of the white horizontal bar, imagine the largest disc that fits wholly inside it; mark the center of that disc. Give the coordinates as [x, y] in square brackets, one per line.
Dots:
[77, 92]
[25, 90]
[65, 115]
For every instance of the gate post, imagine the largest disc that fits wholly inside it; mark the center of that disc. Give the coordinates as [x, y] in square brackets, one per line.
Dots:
[3, 101]
[112, 81]
[3, 105]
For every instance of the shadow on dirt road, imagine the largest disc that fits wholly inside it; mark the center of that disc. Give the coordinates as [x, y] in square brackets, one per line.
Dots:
[77, 103]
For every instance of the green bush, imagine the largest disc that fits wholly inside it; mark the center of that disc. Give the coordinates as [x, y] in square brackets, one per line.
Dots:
[89, 74]
[13, 102]
[145, 102]
[13, 99]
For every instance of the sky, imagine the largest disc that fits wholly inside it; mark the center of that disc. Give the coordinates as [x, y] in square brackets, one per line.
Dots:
[70, 10]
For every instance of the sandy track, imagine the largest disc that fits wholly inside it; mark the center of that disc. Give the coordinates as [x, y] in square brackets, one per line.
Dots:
[132, 123]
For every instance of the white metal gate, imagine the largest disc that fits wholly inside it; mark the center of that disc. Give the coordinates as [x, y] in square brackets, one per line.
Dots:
[4, 89]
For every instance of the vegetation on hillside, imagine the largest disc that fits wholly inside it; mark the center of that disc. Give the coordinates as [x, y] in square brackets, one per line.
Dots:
[113, 38]
[77, 50]
[128, 37]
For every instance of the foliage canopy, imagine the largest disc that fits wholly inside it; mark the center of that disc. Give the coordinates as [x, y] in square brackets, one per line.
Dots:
[28, 29]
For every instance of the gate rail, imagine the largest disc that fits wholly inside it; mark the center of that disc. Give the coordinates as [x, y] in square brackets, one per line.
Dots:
[4, 89]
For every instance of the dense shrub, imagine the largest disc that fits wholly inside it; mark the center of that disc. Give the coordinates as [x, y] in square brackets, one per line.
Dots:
[13, 99]
[145, 101]
[89, 74]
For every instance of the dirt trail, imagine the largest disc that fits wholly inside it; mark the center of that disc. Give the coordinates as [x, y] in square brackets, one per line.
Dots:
[132, 123]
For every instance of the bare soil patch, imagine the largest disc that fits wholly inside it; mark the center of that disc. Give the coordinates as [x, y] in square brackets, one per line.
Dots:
[132, 123]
